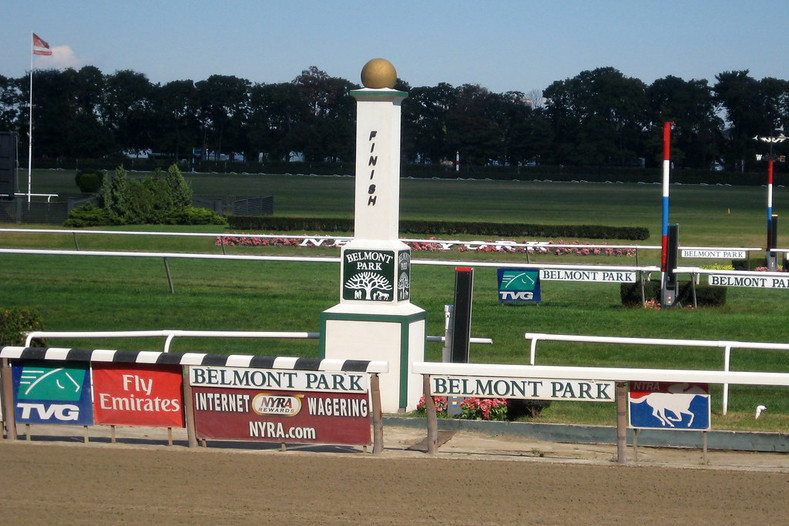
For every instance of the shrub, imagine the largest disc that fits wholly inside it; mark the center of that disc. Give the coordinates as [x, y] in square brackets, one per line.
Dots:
[179, 190]
[114, 194]
[706, 295]
[165, 198]
[141, 203]
[630, 293]
[16, 322]
[193, 216]
[89, 182]
[90, 215]
[526, 408]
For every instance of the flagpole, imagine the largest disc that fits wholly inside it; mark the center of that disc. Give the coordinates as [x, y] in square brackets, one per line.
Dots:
[30, 129]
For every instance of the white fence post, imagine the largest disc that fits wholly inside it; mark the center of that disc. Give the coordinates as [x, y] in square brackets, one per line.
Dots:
[726, 363]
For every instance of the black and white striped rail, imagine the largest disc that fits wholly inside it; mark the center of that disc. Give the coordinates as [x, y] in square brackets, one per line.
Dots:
[196, 359]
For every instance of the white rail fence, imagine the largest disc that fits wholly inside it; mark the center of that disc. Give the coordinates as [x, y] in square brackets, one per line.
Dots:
[170, 334]
[166, 256]
[642, 272]
[727, 347]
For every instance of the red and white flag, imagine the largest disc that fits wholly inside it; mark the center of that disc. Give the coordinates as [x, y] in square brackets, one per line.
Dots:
[40, 47]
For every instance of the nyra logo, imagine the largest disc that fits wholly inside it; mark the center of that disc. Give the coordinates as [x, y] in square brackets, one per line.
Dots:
[280, 405]
[519, 285]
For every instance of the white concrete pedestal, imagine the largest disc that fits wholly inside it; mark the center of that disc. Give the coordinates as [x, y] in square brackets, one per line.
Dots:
[395, 333]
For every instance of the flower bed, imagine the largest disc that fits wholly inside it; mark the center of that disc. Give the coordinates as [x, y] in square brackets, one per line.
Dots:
[436, 245]
[470, 408]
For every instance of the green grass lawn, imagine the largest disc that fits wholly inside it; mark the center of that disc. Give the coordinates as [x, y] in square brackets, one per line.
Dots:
[112, 293]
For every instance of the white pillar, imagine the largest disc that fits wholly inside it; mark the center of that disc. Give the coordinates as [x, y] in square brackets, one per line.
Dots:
[375, 319]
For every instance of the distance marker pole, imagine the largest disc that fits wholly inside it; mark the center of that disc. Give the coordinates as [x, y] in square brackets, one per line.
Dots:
[666, 173]
[668, 257]
[770, 259]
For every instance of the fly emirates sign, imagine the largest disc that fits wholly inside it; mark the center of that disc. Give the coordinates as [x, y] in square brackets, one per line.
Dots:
[134, 394]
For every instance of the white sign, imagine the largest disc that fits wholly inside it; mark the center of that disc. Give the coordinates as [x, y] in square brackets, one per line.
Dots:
[522, 388]
[282, 380]
[714, 254]
[752, 281]
[607, 276]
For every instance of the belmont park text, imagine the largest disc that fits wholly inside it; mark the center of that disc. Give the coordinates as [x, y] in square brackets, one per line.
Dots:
[748, 281]
[542, 389]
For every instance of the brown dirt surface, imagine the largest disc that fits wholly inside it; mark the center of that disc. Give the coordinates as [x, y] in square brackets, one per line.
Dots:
[474, 479]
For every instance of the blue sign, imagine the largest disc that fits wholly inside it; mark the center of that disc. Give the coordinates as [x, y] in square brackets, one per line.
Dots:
[516, 285]
[663, 405]
[52, 393]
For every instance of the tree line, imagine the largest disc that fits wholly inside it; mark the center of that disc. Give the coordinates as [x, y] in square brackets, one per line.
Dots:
[598, 118]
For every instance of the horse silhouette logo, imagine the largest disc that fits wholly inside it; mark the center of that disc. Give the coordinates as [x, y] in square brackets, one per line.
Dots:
[666, 405]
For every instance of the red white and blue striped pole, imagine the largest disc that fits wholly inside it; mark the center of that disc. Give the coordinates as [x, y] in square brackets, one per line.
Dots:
[770, 205]
[666, 172]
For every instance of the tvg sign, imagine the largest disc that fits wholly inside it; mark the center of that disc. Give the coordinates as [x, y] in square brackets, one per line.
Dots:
[518, 285]
[52, 393]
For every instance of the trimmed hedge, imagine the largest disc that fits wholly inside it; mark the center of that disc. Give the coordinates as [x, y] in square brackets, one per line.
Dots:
[706, 295]
[285, 224]
[89, 215]
[89, 182]
[193, 216]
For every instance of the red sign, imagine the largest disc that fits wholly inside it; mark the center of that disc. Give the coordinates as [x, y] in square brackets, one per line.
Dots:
[138, 395]
[282, 416]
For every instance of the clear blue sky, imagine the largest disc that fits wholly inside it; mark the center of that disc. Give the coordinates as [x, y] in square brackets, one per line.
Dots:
[503, 45]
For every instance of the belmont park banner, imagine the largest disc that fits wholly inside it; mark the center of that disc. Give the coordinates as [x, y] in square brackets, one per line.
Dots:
[752, 280]
[281, 406]
[521, 388]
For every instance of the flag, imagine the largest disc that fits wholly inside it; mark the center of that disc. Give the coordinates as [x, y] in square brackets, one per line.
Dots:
[40, 47]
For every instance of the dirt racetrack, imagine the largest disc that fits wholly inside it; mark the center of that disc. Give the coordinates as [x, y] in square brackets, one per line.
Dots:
[473, 480]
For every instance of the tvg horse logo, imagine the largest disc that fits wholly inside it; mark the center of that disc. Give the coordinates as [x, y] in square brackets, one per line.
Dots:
[50, 383]
[519, 285]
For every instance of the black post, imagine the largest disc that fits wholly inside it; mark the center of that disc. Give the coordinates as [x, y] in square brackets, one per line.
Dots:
[8, 145]
[670, 288]
[771, 259]
[461, 328]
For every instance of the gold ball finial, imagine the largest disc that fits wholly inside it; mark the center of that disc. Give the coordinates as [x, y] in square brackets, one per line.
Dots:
[379, 73]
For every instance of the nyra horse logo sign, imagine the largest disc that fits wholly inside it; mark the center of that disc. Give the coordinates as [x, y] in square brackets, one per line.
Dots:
[664, 405]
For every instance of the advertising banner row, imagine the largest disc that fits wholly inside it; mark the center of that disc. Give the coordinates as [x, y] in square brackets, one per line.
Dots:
[227, 403]
[523, 285]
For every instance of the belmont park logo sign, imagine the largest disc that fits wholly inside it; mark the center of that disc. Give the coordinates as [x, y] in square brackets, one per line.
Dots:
[376, 275]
